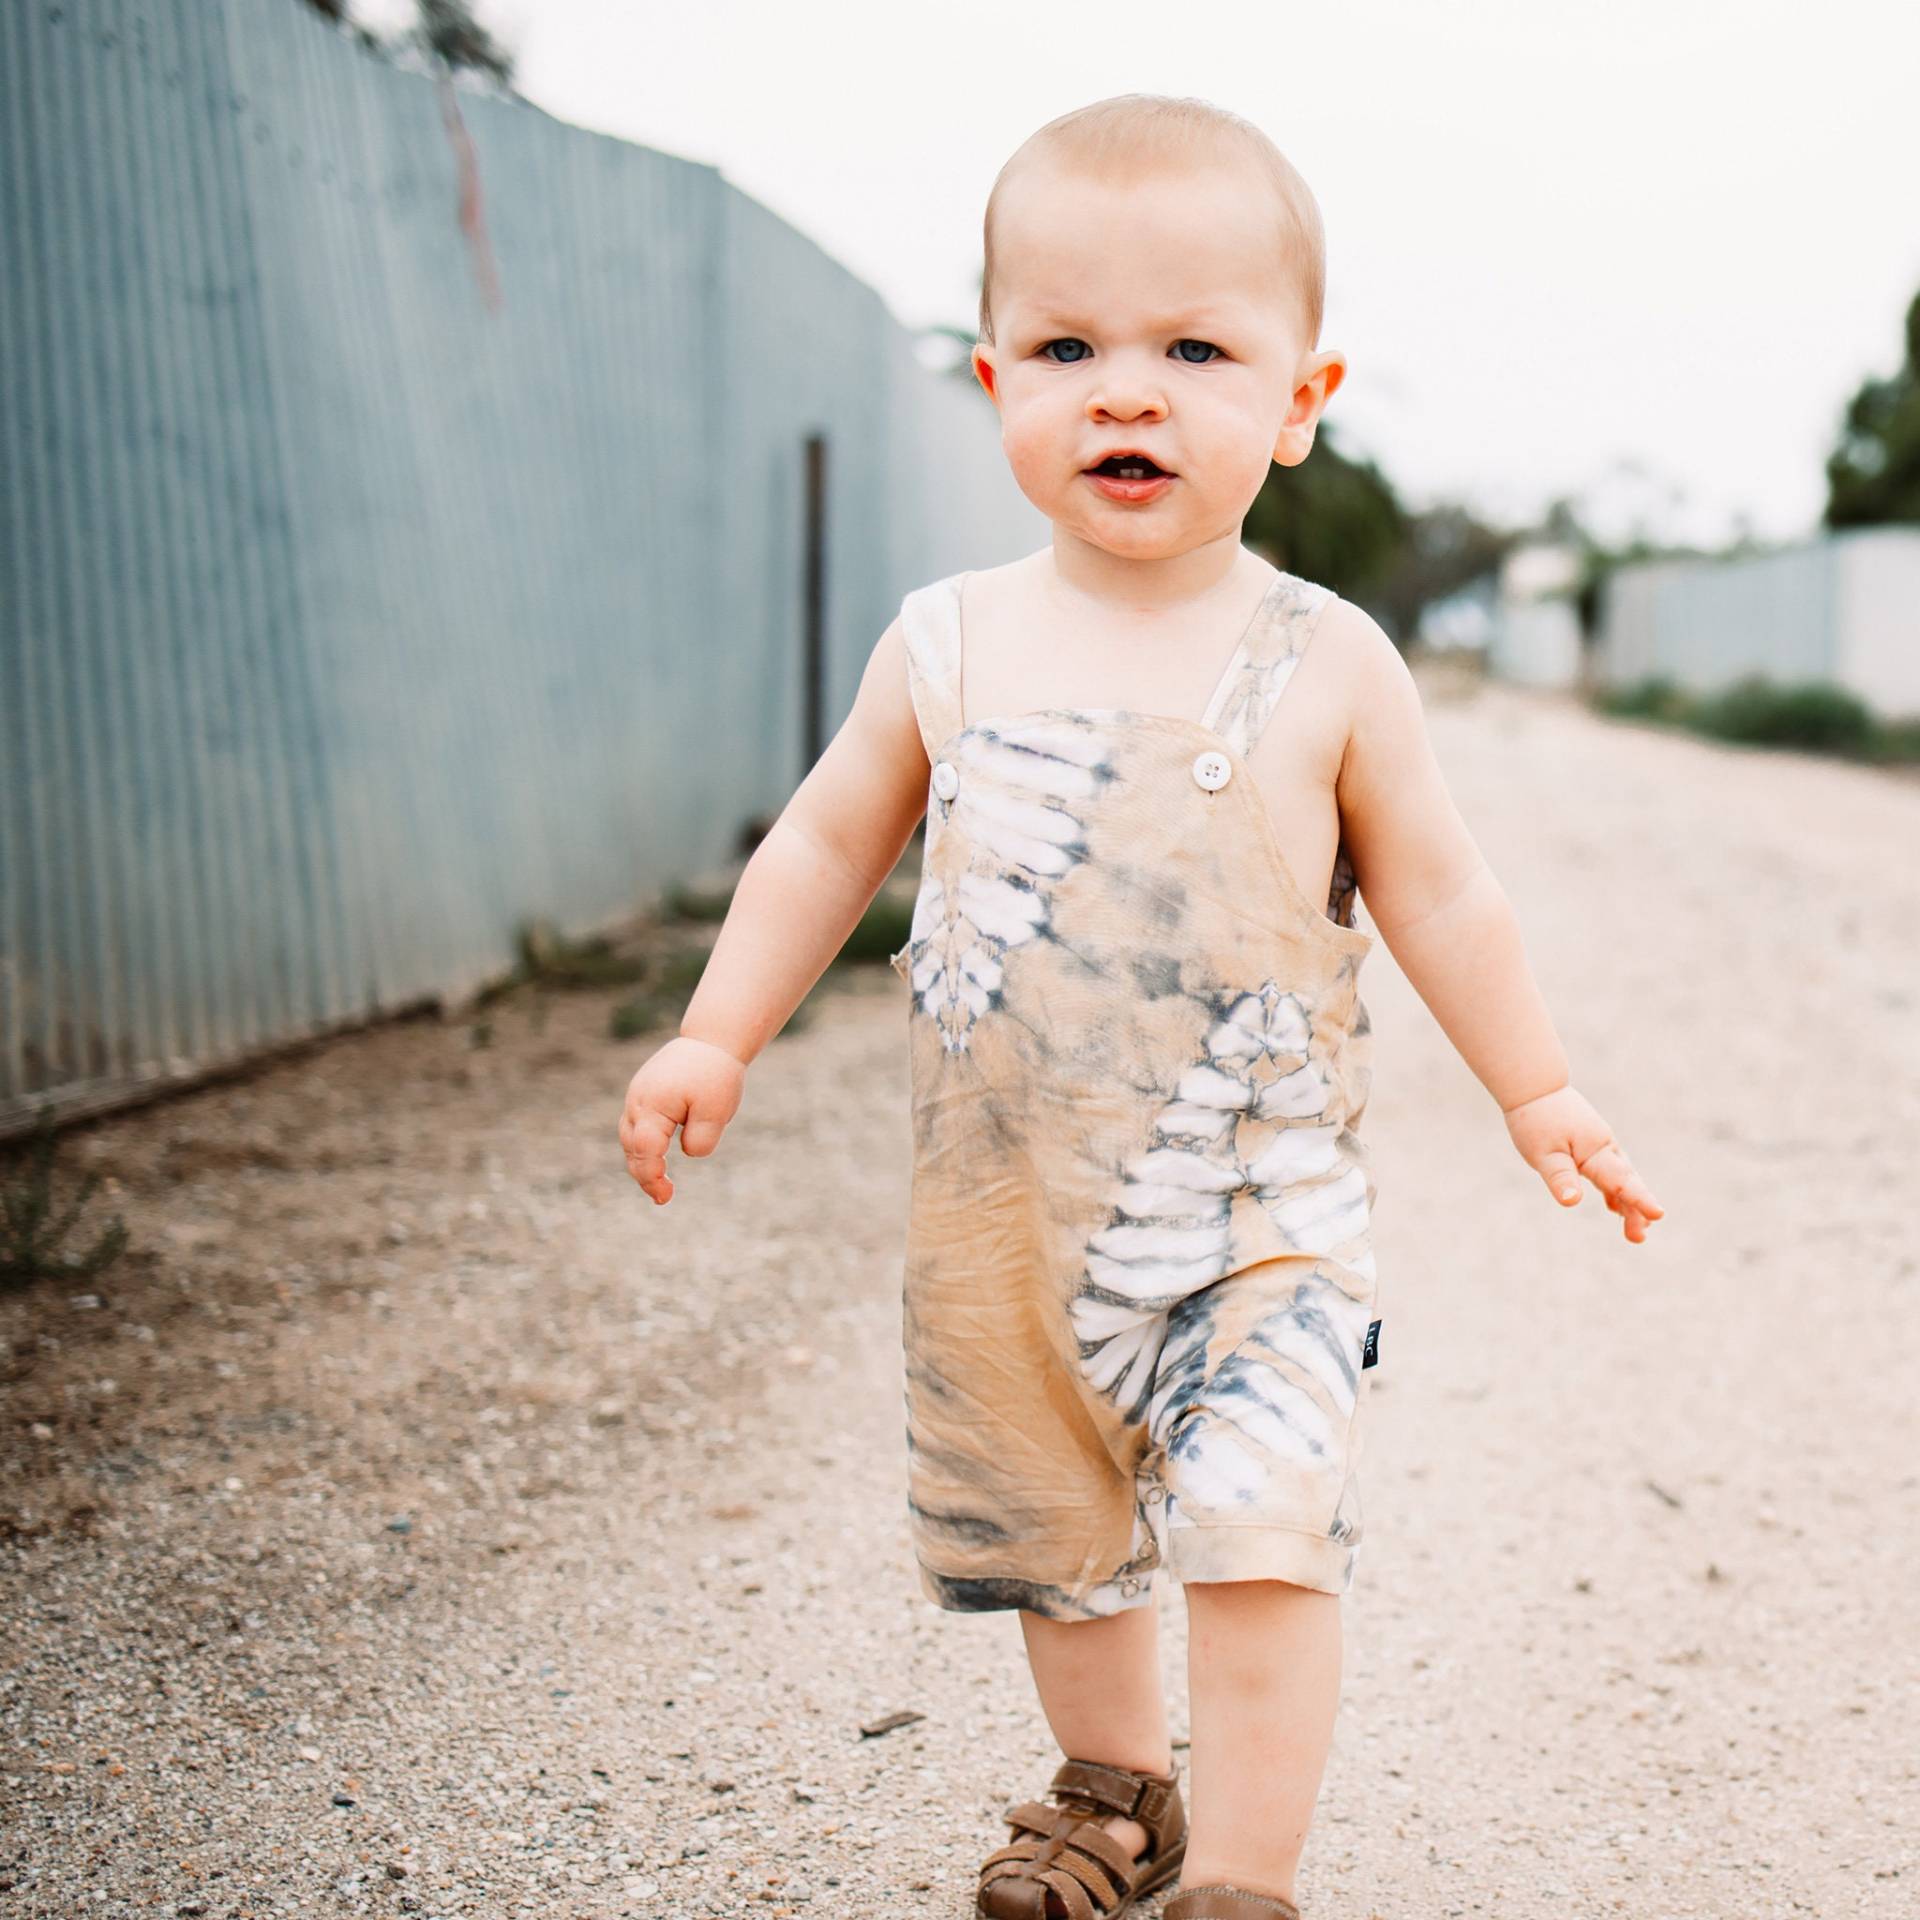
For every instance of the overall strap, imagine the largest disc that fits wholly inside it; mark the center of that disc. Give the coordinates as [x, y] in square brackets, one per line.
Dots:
[930, 622]
[1263, 663]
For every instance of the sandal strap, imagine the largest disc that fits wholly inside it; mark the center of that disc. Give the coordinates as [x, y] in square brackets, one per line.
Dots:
[1091, 1875]
[1118, 1865]
[1060, 1846]
[1222, 1902]
[1019, 1851]
[1062, 1878]
[1153, 1799]
[1039, 1816]
[1072, 1895]
[1117, 1788]
[1071, 1843]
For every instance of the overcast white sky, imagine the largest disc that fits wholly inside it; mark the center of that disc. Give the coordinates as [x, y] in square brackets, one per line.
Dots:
[1568, 244]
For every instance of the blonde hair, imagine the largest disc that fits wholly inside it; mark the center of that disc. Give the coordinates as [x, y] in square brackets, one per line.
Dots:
[1134, 133]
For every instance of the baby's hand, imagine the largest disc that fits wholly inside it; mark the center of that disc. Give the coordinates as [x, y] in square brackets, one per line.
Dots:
[689, 1084]
[1560, 1136]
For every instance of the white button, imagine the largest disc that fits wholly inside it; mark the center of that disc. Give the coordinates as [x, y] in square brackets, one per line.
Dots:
[1156, 1493]
[1213, 770]
[946, 780]
[1129, 1586]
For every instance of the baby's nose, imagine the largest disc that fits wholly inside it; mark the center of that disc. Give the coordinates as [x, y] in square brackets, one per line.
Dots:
[1121, 401]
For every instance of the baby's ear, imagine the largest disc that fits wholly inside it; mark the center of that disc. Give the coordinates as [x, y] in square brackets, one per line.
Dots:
[985, 371]
[1320, 374]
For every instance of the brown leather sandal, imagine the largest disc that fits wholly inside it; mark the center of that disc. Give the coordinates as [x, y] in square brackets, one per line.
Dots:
[1222, 1902]
[1064, 1850]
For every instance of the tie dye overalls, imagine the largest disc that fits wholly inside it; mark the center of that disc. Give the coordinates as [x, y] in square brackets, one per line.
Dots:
[1139, 1285]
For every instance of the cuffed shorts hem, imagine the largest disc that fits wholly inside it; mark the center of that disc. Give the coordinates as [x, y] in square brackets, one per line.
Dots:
[1262, 1553]
[999, 1593]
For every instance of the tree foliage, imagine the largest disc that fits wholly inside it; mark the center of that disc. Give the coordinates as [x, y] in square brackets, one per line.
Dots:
[1333, 519]
[449, 32]
[1873, 474]
[1446, 546]
[445, 33]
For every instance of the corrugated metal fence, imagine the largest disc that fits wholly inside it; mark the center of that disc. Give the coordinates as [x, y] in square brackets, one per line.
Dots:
[1843, 608]
[347, 619]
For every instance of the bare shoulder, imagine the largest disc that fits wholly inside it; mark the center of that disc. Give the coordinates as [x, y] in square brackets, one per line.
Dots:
[1360, 650]
[1388, 763]
[883, 719]
[884, 683]
[1367, 675]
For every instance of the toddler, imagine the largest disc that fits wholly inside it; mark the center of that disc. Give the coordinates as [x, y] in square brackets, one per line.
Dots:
[1140, 1298]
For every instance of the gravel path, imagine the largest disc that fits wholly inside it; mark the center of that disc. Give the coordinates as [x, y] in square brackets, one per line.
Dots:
[421, 1522]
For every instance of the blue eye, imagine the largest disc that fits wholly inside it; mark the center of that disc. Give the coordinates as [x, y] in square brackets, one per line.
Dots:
[1075, 359]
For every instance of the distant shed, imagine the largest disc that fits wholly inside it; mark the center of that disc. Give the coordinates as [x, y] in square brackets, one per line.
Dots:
[1843, 608]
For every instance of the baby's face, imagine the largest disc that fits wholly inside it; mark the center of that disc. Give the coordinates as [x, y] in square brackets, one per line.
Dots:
[1155, 316]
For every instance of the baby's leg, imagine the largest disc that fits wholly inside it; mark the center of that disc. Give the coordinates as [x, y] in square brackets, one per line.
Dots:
[1263, 1667]
[1099, 1682]
[1262, 1383]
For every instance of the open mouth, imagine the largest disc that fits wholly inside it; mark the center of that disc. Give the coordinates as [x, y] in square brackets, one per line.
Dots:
[1131, 466]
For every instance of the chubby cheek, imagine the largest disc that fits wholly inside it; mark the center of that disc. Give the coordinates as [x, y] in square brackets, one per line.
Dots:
[1226, 462]
[1041, 458]
[1243, 469]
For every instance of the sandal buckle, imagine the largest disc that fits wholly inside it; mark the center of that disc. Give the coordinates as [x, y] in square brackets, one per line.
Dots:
[1118, 1788]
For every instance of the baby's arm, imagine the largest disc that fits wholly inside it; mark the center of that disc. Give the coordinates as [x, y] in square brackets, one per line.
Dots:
[798, 898]
[1451, 927]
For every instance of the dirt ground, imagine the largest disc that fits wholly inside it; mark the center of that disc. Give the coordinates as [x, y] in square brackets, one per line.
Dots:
[419, 1521]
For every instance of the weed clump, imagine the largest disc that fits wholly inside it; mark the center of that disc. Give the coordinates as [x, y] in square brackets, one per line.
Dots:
[1814, 715]
[32, 1228]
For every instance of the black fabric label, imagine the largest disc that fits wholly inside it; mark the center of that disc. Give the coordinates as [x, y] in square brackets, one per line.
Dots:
[1370, 1356]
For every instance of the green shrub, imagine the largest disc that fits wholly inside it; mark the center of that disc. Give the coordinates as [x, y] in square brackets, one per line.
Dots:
[686, 903]
[30, 1229]
[1654, 698]
[881, 931]
[670, 984]
[639, 1015]
[677, 974]
[1899, 740]
[1811, 713]
[549, 957]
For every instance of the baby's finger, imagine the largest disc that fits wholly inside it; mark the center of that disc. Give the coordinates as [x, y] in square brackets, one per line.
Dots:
[649, 1171]
[1632, 1220]
[1615, 1175]
[644, 1137]
[1562, 1176]
[652, 1181]
[1641, 1195]
[1633, 1199]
